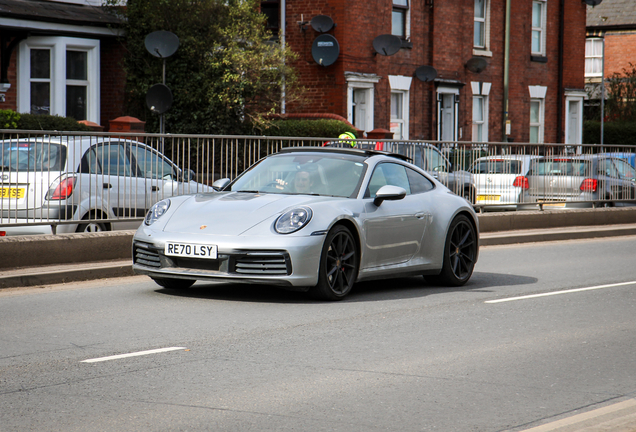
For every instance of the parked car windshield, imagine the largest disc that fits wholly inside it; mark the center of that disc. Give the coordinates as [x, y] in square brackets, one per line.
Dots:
[496, 166]
[31, 156]
[304, 173]
[564, 167]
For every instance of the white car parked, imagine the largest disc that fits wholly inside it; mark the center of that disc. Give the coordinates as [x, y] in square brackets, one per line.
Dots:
[102, 181]
[494, 178]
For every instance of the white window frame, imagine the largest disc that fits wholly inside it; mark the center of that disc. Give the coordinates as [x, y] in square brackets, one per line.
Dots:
[481, 90]
[402, 85]
[407, 20]
[537, 94]
[58, 47]
[483, 50]
[541, 29]
[355, 81]
[578, 97]
[592, 58]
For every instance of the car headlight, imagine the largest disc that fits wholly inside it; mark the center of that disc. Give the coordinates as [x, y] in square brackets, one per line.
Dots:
[156, 211]
[293, 220]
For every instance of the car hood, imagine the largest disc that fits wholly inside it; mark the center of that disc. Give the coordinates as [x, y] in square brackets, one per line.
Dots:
[230, 213]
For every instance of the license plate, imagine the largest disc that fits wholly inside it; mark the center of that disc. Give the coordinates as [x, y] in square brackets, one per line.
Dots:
[11, 192]
[488, 197]
[190, 250]
[553, 205]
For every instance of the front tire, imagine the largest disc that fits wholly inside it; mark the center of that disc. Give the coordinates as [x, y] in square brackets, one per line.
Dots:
[460, 253]
[338, 269]
[176, 284]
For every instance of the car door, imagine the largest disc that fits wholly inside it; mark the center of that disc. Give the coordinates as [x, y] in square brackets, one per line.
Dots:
[158, 174]
[110, 182]
[394, 229]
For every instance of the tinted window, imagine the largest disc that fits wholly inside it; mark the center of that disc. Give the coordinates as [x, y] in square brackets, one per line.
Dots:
[418, 182]
[29, 156]
[496, 166]
[626, 170]
[107, 159]
[564, 167]
[150, 164]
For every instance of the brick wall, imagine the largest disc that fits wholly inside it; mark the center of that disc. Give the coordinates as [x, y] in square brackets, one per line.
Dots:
[620, 51]
[112, 82]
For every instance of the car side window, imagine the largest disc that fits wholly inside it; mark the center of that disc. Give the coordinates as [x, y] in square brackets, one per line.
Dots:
[625, 170]
[150, 164]
[388, 174]
[607, 168]
[418, 182]
[434, 160]
[106, 158]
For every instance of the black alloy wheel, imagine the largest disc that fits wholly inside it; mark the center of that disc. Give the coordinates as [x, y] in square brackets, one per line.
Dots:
[339, 263]
[460, 253]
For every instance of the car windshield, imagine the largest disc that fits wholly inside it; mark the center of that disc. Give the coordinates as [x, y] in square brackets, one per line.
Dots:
[496, 166]
[30, 156]
[304, 173]
[564, 167]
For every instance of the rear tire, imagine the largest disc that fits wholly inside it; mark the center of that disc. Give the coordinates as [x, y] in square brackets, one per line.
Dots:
[92, 226]
[338, 268]
[460, 253]
[176, 284]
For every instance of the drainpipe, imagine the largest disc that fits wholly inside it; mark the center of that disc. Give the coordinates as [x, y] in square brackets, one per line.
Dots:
[506, 72]
[561, 63]
[283, 18]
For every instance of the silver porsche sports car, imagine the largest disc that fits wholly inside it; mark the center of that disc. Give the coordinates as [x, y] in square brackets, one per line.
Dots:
[314, 219]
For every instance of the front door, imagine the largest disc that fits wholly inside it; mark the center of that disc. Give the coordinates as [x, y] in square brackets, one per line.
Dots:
[361, 109]
[447, 124]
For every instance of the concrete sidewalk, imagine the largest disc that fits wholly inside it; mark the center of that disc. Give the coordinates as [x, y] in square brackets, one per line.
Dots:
[53, 259]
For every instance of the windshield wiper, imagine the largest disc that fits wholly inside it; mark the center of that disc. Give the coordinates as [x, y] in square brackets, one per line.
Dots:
[248, 191]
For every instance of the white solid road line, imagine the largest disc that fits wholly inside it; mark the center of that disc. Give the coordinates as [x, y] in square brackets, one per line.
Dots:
[135, 354]
[561, 292]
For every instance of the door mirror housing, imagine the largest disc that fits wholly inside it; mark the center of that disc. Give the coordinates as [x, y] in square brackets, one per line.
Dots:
[220, 184]
[389, 193]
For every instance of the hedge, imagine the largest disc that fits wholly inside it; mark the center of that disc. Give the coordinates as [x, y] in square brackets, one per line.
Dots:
[12, 120]
[619, 133]
[319, 128]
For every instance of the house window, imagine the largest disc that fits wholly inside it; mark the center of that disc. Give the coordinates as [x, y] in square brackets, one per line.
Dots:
[271, 9]
[538, 27]
[480, 111]
[480, 24]
[593, 57]
[40, 81]
[400, 86]
[400, 18]
[536, 121]
[59, 76]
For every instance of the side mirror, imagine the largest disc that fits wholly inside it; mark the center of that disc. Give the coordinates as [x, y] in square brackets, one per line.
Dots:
[220, 184]
[389, 193]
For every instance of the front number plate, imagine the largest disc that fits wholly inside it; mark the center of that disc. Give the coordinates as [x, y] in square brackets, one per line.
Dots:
[191, 250]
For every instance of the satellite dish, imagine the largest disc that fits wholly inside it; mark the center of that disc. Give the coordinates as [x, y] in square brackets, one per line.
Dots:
[162, 43]
[426, 73]
[476, 64]
[325, 50]
[322, 23]
[593, 2]
[387, 44]
[159, 98]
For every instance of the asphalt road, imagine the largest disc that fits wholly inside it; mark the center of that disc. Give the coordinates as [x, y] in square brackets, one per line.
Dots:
[397, 355]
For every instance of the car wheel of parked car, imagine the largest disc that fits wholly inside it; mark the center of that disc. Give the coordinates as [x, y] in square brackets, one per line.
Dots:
[469, 195]
[339, 263]
[92, 226]
[460, 253]
[176, 284]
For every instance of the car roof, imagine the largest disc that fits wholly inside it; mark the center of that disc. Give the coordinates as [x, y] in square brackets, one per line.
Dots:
[352, 151]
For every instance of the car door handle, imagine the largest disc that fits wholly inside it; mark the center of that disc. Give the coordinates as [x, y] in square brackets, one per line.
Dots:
[107, 186]
[420, 215]
[154, 188]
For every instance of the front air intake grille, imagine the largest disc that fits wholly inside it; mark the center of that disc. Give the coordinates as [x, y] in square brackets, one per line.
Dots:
[144, 254]
[262, 264]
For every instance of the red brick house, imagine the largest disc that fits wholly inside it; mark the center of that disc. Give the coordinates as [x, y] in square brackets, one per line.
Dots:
[61, 58]
[611, 40]
[531, 90]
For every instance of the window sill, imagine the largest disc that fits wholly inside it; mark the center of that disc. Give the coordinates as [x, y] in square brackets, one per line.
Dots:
[482, 52]
[539, 58]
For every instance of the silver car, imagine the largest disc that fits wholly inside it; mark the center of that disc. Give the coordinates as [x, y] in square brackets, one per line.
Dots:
[99, 182]
[494, 178]
[578, 182]
[314, 219]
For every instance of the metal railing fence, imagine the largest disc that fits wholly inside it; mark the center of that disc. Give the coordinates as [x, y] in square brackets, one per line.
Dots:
[69, 181]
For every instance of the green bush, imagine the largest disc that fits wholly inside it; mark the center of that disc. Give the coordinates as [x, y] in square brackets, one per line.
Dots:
[622, 133]
[320, 128]
[9, 119]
